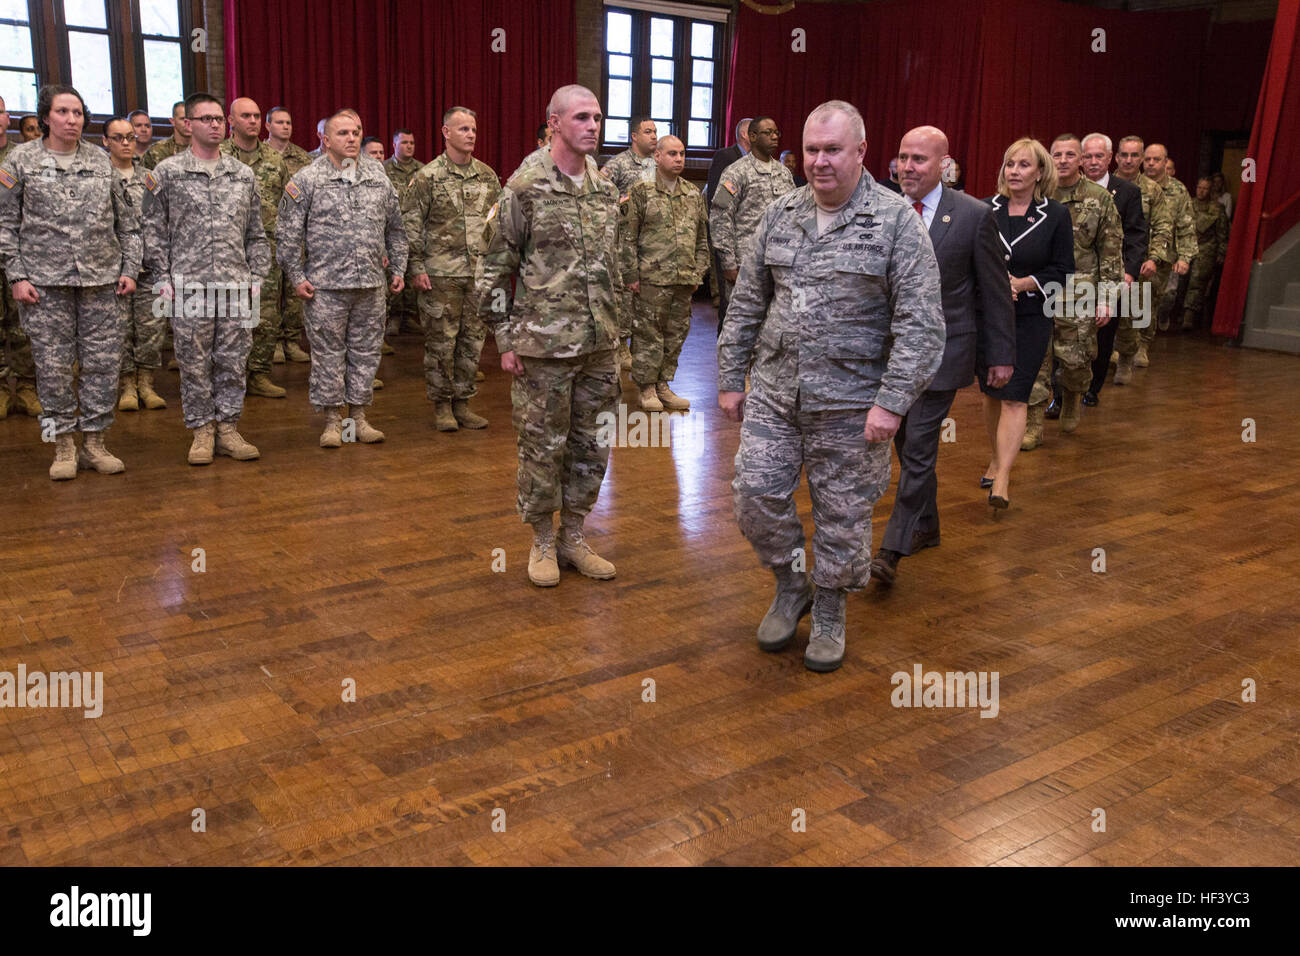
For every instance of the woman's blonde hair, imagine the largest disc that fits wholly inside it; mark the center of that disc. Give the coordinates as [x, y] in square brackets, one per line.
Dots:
[1046, 184]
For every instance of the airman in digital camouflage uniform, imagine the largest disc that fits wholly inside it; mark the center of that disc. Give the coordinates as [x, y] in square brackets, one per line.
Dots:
[445, 208]
[839, 269]
[1211, 249]
[1155, 162]
[1098, 258]
[279, 128]
[177, 142]
[553, 230]
[665, 256]
[69, 244]
[338, 220]
[15, 350]
[206, 248]
[745, 190]
[272, 176]
[1160, 236]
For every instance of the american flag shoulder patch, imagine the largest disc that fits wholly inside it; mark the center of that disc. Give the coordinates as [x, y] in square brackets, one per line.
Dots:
[294, 192]
[7, 180]
[729, 186]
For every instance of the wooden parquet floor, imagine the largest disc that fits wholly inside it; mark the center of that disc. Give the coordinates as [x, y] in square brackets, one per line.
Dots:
[1119, 691]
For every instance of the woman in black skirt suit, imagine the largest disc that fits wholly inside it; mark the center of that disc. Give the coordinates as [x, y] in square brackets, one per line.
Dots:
[1038, 244]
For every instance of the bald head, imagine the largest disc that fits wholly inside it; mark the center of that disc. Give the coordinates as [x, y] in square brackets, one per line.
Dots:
[670, 156]
[921, 153]
[1155, 160]
[245, 118]
[566, 95]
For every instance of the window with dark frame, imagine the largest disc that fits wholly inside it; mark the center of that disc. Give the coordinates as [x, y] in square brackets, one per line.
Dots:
[17, 59]
[666, 66]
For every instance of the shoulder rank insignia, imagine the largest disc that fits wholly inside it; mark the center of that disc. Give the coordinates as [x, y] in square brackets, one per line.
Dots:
[729, 186]
[151, 182]
[294, 192]
[7, 180]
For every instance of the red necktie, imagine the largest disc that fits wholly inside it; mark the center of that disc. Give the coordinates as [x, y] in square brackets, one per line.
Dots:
[920, 209]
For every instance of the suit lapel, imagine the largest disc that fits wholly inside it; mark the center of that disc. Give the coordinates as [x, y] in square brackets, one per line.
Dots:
[942, 220]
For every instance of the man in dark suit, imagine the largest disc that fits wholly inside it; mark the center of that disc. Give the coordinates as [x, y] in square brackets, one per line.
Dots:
[979, 314]
[892, 182]
[721, 160]
[1095, 160]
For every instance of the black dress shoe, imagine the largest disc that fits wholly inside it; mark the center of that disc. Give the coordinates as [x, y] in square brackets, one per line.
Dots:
[998, 502]
[924, 539]
[1053, 410]
[1090, 399]
[986, 482]
[884, 566]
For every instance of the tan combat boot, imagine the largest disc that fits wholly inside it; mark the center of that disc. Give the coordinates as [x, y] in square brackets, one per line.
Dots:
[543, 570]
[230, 442]
[671, 400]
[65, 458]
[261, 385]
[6, 401]
[650, 399]
[332, 436]
[25, 396]
[95, 455]
[825, 650]
[464, 417]
[127, 399]
[1124, 370]
[572, 550]
[480, 377]
[1070, 411]
[624, 357]
[295, 353]
[1142, 359]
[385, 348]
[444, 419]
[377, 384]
[365, 432]
[201, 446]
[144, 388]
[277, 358]
[1033, 428]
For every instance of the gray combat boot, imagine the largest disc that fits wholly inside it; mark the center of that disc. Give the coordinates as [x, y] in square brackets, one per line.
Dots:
[826, 643]
[793, 599]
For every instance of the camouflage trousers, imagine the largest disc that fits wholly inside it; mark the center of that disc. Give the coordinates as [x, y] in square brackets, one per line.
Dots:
[846, 477]
[1127, 339]
[142, 331]
[268, 333]
[15, 349]
[401, 308]
[1074, 346]
[75, 324]
[453, 338]
[212, 352]
[345, 328]
[662, 322]
[556, 406]
[1162, 300]
[291, 321]
[1199, 277]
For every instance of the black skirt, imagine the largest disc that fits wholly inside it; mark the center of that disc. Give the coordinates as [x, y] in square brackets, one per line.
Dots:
[1033, 337]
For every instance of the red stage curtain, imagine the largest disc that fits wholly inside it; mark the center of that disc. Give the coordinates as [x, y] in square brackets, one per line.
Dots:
[1275, 146]
[400, 63]
[985, 71]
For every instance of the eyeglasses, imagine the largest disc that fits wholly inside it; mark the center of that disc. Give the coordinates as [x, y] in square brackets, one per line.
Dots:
[124, 138]
[207, 119]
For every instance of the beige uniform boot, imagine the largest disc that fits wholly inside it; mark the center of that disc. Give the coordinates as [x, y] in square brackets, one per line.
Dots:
[201, 446]
[65, 458]
[261, 385]
[25, 396]
[543, 570]
[444, 419]
[365, 431]
[1071, 411]
[671, 400]
[332, 436]
[277, 358]
[230, 442]
[295, 353]
[1124, 370]
[825, 650]
[377, 384]
[1142, 359]
[650, 399]
[624, 357]
[465, 418]
[6, 400]
[1033, 428]
[144, 388]
[127, 399]
[572, 550]
[95, 455]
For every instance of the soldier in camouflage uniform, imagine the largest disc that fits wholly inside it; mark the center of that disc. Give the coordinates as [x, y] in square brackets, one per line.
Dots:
[1211, 249]
[1160, 230]
[177, 142]
[204, 238]
[401, 167]
[635, 164]
[746, 188]
[1098, 263]
[665, 255]
[339, 218]
[1154, 162]
[279, 127]
[445, 208]
[272, 176]
[142, 325]
[553, 230]
[15, 350]
[838, 270]
[70, 244]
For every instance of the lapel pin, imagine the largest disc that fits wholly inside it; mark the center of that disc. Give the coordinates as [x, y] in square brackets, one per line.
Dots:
[947, 218]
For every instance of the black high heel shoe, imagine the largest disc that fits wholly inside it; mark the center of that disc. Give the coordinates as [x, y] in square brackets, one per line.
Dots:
[986, 482]
[998, 502]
